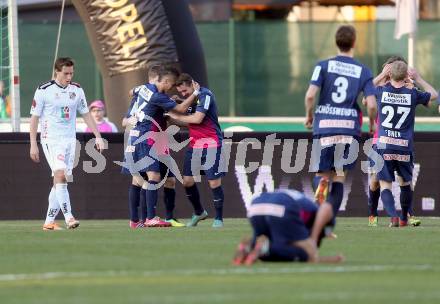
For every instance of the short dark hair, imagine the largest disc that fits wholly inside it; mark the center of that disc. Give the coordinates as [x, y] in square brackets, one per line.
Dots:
[184, 78]
[394, 58]
[63, 62]
[154, 71]
[168, 71]
[345, 37]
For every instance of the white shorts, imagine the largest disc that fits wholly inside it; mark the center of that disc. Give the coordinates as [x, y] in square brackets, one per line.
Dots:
[60, 155]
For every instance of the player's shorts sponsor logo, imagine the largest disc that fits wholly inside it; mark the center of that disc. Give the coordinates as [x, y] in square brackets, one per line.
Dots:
[397, 99]
[393, 141]
[398, 157]
[337, 139]
[336, 123]
[266, 209]
[344, 69]
[134, 133]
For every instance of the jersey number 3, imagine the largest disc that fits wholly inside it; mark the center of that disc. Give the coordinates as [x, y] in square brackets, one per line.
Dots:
[389, 112]
[341, 84]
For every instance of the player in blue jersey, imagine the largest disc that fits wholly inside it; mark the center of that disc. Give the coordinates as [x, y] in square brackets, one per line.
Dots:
[204, 153]
[336, 120]
[146, 155]
[374, 188]
[136, 192]
[396, 108]
[287, 227]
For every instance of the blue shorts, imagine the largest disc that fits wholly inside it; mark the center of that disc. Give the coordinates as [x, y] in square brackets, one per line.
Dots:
[284, 229]
[323, 153]
[207, 161]
[142, 158]
[396, 161]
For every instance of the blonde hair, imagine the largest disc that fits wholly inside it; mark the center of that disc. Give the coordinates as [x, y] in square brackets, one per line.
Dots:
[399, 70]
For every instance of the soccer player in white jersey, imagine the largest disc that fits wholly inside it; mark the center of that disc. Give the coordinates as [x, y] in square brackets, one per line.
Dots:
[54, 106]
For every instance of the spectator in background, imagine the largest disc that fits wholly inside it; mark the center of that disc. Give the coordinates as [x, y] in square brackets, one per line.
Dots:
[97, 109]
[3, 102]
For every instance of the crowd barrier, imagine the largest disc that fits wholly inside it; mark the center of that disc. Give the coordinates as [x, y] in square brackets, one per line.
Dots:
[24, 185]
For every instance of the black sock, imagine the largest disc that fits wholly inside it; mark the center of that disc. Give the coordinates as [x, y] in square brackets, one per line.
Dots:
[133, 202]
[405, 201]
[169, 199]
[373, 201]
[192, 193]
[151, 196]
[143, 204]
[388, 202]
[336, 196]
[219, 197]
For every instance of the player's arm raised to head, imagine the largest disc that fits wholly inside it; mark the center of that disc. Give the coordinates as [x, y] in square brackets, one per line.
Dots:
[183, 107]
[423, 84]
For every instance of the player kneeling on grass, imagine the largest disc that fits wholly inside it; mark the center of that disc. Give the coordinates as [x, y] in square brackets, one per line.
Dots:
[288, 227]
[55, 104]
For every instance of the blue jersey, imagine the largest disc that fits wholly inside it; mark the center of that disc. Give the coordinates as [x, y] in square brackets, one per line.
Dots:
[292, 200]
[209, 128]
[396, 109]
[149, 102]
[341, 80]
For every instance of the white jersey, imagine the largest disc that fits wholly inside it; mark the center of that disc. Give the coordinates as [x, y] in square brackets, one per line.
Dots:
[56, 106]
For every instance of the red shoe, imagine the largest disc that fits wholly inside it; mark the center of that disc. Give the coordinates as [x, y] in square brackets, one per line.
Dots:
[156, 222]
[394, 222]
[136, 225]
[402, 223]
[322, 191]
[243, 249]
[260, 249]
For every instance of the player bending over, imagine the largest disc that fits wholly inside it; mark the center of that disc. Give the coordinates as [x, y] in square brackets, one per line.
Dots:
[287, 227]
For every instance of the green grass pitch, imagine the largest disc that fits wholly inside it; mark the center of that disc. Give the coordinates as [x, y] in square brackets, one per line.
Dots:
[105, 262]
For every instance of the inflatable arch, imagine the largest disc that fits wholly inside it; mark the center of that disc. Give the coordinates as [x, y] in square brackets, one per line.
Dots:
[128, 36]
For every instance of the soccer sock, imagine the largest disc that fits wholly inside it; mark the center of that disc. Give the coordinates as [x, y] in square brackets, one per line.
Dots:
[219, 197]
[53, 208]
[151, 197]
[373, 201]
[143, 204]
[62, 195]
[134, 193]
[405, 201]
[169, 199]
[388, 202]
[315, 182]
[336, 196]
[192, 193]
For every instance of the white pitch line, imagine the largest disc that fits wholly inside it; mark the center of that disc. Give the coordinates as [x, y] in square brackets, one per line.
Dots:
[225, 271]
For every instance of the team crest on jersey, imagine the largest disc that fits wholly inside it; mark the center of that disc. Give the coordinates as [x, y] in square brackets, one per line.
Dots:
[65, 112]
[72, 95]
